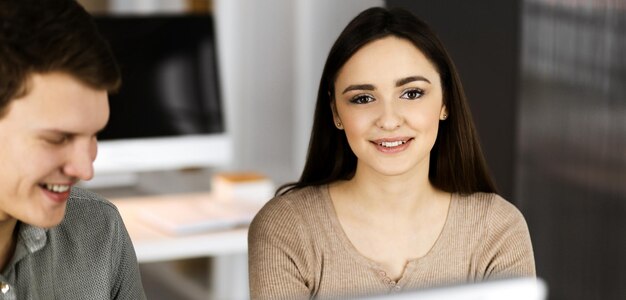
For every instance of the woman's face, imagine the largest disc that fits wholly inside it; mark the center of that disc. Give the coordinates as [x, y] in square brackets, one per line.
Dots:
[388, 99]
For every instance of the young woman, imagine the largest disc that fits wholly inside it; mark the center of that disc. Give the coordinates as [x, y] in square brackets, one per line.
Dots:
[395, 193]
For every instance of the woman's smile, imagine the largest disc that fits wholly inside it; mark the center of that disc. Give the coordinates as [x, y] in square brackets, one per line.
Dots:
[392, 145]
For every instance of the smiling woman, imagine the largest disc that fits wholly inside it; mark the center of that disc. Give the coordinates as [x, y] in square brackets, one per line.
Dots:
[390, 115]
[395, 194]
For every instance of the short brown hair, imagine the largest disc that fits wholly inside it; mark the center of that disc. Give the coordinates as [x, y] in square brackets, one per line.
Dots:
[51, 36]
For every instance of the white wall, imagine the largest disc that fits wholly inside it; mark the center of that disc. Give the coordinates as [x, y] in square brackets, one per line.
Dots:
[271, 56]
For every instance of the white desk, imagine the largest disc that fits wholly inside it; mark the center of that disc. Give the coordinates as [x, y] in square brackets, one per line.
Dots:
[228, 247]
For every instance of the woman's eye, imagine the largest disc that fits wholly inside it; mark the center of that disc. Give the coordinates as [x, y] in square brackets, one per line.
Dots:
[412, 94]
[362, 99]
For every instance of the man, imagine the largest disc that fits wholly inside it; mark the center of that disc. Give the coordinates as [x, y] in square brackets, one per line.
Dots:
[56, 241]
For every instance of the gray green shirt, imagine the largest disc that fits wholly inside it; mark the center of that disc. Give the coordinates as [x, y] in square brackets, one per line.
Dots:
[88, 256]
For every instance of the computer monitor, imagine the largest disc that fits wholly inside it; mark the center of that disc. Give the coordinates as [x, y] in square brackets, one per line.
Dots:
[510, 289]
[168, 113]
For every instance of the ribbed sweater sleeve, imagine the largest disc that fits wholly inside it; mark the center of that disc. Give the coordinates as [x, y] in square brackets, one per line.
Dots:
[507, 250]
[277, 254]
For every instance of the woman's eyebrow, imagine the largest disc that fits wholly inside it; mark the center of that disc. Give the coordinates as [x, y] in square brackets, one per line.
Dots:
[370, 87]
[367, 87]
[403, 81]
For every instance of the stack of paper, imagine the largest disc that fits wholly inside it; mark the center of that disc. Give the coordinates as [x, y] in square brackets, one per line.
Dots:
[197, 214]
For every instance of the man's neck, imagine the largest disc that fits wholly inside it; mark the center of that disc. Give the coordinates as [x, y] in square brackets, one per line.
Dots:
[7, 241]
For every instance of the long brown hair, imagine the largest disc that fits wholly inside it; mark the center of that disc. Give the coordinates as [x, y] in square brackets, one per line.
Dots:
[456, 160]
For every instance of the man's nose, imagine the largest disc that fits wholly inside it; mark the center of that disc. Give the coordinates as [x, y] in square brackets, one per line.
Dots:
[79, 163]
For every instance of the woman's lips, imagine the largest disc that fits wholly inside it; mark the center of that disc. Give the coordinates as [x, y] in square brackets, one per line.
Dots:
[392, 145]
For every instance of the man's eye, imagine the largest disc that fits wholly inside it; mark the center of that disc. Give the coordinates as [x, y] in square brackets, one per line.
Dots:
[58, 140]
[362, 99]
[412, 94]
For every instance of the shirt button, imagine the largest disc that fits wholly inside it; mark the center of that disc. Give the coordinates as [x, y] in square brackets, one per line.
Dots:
[4, 287]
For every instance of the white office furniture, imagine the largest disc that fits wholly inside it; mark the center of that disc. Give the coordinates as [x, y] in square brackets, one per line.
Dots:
[227, 247]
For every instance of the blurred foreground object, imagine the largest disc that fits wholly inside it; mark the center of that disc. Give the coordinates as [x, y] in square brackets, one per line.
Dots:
[510, 289]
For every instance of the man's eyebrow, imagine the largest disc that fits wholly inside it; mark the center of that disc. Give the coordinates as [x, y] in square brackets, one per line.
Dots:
[406, 80]
[65, 132]
[367, 87]
[58, 131]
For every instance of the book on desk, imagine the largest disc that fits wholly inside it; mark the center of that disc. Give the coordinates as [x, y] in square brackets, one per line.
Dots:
[233, 202]
[199, 213]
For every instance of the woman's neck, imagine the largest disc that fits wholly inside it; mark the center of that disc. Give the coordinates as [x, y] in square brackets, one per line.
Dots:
[408, 192]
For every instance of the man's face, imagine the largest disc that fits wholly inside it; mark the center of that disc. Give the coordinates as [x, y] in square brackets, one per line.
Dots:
[47, 144]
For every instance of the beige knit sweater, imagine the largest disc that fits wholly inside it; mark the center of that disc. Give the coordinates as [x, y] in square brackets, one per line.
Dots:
[298, 249]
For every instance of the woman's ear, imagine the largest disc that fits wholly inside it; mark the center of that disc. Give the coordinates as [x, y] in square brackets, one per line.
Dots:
[336, 118]
[443, 114]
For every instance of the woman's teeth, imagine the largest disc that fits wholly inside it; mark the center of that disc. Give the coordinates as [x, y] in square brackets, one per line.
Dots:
[392, 144]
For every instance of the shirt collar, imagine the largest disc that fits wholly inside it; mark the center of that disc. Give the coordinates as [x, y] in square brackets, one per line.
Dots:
[30, 239]
[34, 238]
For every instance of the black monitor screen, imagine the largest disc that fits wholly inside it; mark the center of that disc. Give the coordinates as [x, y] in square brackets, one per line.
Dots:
[169, 76]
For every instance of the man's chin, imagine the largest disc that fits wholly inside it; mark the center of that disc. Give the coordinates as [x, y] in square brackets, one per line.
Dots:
[46, 224]
[48, 221]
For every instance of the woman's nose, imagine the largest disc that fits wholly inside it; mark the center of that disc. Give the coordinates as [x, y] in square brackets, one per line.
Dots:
[390, 116]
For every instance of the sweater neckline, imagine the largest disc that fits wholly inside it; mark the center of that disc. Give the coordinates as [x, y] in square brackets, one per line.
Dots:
[375, 266]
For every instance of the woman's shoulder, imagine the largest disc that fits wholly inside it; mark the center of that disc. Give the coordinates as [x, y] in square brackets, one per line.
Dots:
[491, 209]
[506, 245]
[298, 199]
[292, 207]
[488, 202]
[303, 194]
